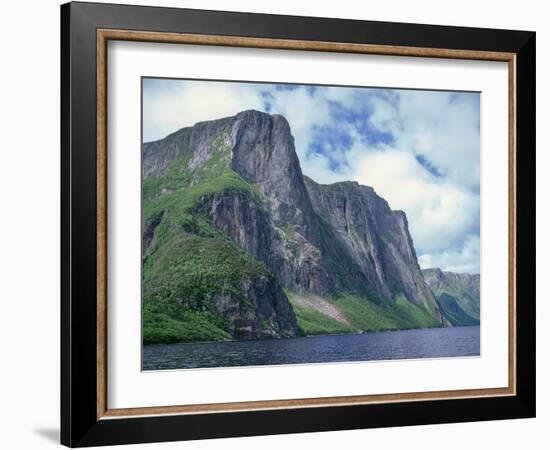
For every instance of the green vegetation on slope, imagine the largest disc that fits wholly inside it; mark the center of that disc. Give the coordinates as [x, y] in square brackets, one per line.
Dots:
[469, 305]
[189, 262]
[190, 326]
[189, 266]
[361, 315]
[179, 205]
[460, 308]
[457, 293]
[342, 264]
[312, 321]
[182, 280]
[456, 314]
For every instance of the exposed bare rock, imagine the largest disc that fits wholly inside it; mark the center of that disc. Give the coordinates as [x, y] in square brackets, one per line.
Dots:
[313, 238]
[458, 294]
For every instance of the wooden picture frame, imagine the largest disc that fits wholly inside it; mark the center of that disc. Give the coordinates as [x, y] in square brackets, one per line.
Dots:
[86, 418]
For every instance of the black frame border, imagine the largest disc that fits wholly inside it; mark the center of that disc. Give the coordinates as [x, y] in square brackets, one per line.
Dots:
[79, 424]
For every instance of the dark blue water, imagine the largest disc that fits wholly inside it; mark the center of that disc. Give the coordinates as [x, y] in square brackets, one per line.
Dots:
[385, 345]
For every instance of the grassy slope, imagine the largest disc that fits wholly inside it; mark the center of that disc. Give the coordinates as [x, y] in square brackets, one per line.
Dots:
[469, 305]
[460, 308]
[362, 315]
[457, 302]
[456, 312]
[189, 259]
[179, 280]
[187, 248]
[312, 321]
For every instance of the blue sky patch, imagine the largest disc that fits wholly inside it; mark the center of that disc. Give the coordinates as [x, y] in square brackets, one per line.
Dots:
[428, 166]
[420, 150]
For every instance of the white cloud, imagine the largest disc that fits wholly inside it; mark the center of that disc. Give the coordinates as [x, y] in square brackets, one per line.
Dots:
[169, 105]
[443, 211]
[441, 127]
[439, 212]
[465, 260]
[316, 167]
[385, 115]
[304, 112]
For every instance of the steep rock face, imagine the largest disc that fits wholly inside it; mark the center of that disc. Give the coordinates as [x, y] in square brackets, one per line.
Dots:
[458, 294]
[187, 177]
[285, 231]
[192, 144]
[266, 314]
[295, 262]
[248, 224]
[376, 237]
[264, 154]
[243, 176]
[200, 286]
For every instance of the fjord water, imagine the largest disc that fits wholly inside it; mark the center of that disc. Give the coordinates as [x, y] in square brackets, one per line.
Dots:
[384, 345]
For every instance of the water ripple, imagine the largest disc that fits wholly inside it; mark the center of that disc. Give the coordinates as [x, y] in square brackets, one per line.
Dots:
[386, 345]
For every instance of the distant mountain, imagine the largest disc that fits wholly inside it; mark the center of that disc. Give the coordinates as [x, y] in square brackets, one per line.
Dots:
[457, 293]
[239, 244]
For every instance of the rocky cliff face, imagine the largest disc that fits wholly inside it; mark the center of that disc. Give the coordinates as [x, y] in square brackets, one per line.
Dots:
[267, 313]
[377, 239]
[458, 294]
[240, 177]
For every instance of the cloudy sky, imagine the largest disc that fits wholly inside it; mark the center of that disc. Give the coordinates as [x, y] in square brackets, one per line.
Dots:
[420, 150]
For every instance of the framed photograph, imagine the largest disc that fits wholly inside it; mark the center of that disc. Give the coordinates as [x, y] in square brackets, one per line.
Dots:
[277, 224]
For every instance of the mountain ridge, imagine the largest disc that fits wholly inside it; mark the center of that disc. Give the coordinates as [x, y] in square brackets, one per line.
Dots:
[238, 180]
[458, 294]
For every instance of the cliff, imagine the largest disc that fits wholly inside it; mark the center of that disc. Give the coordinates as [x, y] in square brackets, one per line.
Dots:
[458, 294]
[235, 186]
